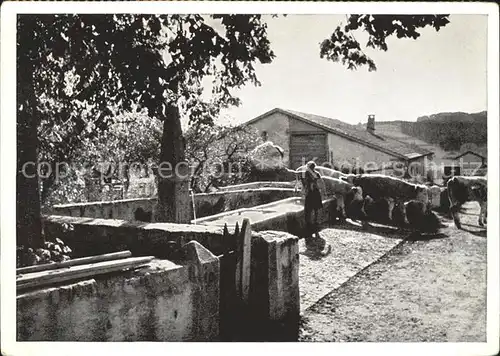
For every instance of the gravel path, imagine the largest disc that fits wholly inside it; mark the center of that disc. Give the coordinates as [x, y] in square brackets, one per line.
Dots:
[352, 249]
[421, 291]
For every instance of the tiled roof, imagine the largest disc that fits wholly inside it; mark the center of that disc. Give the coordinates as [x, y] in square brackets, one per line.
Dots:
[374, 140]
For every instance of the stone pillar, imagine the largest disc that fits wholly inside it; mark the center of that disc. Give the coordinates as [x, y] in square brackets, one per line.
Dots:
[204, 273]
[274, 287]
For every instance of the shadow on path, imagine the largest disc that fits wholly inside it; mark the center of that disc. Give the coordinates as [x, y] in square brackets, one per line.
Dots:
[389, 231]
[479, 233]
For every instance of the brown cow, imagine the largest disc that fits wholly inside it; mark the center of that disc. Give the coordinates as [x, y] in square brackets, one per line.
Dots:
[463, 189]
[333, 187]
[324, 171]
[392, 189]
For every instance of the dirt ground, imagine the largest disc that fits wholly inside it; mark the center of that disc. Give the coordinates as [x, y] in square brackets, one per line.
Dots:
[422, 290]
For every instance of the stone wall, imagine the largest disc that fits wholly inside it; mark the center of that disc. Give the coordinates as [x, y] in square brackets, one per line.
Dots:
[88, 236]
[274, 287]
[167, 301]
[118, 209]
[206, 204]
[256, 185]
[162, 302]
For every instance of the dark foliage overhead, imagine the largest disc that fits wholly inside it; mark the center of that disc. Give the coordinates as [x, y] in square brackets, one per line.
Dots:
[343, 47]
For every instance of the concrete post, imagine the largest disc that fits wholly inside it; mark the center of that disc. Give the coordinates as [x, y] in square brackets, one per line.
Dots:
[274, 288]
[204, 272]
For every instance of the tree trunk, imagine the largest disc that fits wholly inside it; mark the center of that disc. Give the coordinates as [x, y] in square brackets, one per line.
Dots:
[173, 173]
[28, 224]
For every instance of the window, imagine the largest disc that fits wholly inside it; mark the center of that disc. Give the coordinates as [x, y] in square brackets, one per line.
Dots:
[264, 136]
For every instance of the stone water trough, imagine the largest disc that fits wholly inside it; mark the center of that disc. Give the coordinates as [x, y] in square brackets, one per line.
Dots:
[282, 215]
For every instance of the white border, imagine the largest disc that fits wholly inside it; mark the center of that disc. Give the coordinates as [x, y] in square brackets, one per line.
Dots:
[8, 168]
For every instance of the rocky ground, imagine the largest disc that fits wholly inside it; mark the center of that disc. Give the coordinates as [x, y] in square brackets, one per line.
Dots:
[427, 289]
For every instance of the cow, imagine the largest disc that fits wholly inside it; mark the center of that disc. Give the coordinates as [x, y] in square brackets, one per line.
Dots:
[463, 189]
[329, 185]
[379, 186]
[334, 187]
[377, 209]
[299, 174]
[420, 217]
[355, 204]
[323, 171]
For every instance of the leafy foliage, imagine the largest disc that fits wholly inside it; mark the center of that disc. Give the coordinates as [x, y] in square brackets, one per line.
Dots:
[103, 64]
[219, 155]
[76, 72]
[343, 47]
[132, 142]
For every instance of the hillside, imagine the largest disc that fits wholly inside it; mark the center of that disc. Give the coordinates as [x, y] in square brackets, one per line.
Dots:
[447, 130]
[453, 117]
[393, 129]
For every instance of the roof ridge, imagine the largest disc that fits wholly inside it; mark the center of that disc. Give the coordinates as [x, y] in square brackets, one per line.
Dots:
[406, 143]
[353, 132]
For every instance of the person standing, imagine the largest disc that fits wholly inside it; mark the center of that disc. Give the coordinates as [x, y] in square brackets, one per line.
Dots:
[313, 201]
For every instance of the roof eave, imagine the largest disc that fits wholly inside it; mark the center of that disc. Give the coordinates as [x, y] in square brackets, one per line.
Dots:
[267, 113]
[333, 131]
[468, 151]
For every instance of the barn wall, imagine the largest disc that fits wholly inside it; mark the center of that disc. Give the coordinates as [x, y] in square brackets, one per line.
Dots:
[344, 150]
[277, 127]
[302, 127]
[313, 148]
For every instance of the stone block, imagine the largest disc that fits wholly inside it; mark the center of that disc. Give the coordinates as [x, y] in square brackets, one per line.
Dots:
[274, 288]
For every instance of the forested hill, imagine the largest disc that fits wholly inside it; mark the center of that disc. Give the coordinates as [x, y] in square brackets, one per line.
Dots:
[447, 117]
[449, 130]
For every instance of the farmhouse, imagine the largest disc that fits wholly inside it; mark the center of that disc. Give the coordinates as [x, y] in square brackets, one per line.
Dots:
[469, 162]
[307, 137]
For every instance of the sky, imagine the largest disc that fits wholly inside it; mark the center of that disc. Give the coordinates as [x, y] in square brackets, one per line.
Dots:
[439, 72]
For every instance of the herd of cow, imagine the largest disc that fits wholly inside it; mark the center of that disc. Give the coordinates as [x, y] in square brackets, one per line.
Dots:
[365, 196]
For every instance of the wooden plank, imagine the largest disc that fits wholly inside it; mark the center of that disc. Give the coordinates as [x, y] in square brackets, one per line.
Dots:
[238, 248]
[45, 275]
[74, 262]
[227, 239]
[44, 278]
[242, 270]
[246, 234]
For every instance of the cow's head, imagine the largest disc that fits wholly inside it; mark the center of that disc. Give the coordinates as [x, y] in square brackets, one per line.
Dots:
[421, 193]
[349, 178]
[479, 193]
[357, 192]
[369, 200]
